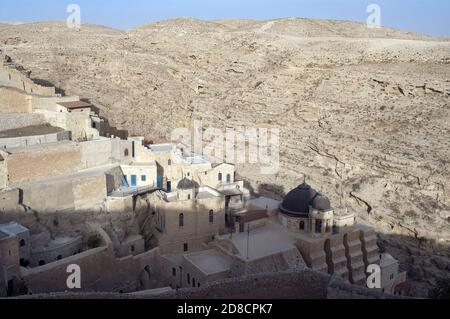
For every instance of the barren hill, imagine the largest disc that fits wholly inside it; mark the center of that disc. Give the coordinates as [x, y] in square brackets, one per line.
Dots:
[363, 112]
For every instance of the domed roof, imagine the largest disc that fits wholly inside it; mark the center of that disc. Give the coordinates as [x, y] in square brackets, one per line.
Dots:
[298, 200]
[186, 184]
[321, 202]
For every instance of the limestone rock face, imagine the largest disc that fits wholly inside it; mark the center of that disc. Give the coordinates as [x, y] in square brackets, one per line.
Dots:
[364, 113]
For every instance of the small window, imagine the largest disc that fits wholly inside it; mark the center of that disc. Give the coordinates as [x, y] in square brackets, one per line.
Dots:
[59, 257]
[189, 279]
[220, 177]
[198, 285]
[181, 220]
[144, 178]
[126, 152]
[228, 178]
[189, 196]
[392, 276]
[174, 272]
[188, 174]
[193, 282]
[169, 162]
[41, 262]
[211, 216]
[22, 242]
[133, 248]
[185, 247]
[302, 225]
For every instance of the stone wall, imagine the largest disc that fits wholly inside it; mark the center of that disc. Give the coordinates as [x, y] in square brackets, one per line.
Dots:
[3, 174]
[18, 120]
[50, 254]
[305, 284]
[65, 194]
[12, 77]
[26, 141]
[9, 202]
[14, 101]
[196, 231]
[35, 163]
[100, 271]
[96, 153]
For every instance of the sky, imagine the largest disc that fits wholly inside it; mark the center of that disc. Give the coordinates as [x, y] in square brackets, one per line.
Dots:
[423, 16]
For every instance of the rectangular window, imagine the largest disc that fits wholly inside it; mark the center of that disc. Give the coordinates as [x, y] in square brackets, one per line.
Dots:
[318, 226]
[144, 178]
[185, 247]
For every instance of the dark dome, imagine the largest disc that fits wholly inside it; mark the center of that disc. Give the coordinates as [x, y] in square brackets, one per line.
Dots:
[186, 184]
[321, 202]
[298, 200]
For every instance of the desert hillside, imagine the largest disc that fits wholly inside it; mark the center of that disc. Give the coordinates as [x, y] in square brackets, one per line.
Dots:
[362, 112]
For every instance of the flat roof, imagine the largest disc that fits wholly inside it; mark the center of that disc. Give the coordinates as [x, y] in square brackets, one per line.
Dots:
[4, 235]
[265, 241]
[41, 147]
[57, 243]
[252, 214]
[231, 192]
[157, 148]
[74, 105]
[33, 130]
[13, 229]
[265, 203]
[209, 261]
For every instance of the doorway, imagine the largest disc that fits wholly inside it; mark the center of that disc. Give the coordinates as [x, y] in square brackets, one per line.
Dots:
[169, 186]
[133, 180]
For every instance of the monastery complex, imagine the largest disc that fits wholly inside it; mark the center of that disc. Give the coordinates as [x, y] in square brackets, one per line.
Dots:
[139, 217]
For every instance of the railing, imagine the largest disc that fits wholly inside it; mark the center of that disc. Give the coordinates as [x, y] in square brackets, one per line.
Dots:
[132, 191]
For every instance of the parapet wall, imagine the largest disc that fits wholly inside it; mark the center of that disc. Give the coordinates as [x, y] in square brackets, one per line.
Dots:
[14, 101]
[33, 164]
[100, 271]
[19, 120]
[15, 76]
[25, 141]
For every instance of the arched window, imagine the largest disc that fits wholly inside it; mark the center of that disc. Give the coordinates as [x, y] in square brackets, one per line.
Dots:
[228, 178]
[181, 220]
[211, 216]
[22, 242]
[126, 152]
[220, 177]
[302, 225]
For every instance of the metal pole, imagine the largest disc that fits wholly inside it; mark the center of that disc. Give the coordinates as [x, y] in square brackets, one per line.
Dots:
[248, 240]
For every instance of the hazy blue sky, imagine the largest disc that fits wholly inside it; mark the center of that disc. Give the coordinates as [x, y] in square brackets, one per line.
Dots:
[425, 16]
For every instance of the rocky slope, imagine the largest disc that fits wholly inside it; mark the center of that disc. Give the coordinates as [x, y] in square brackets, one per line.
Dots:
[364, 113]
